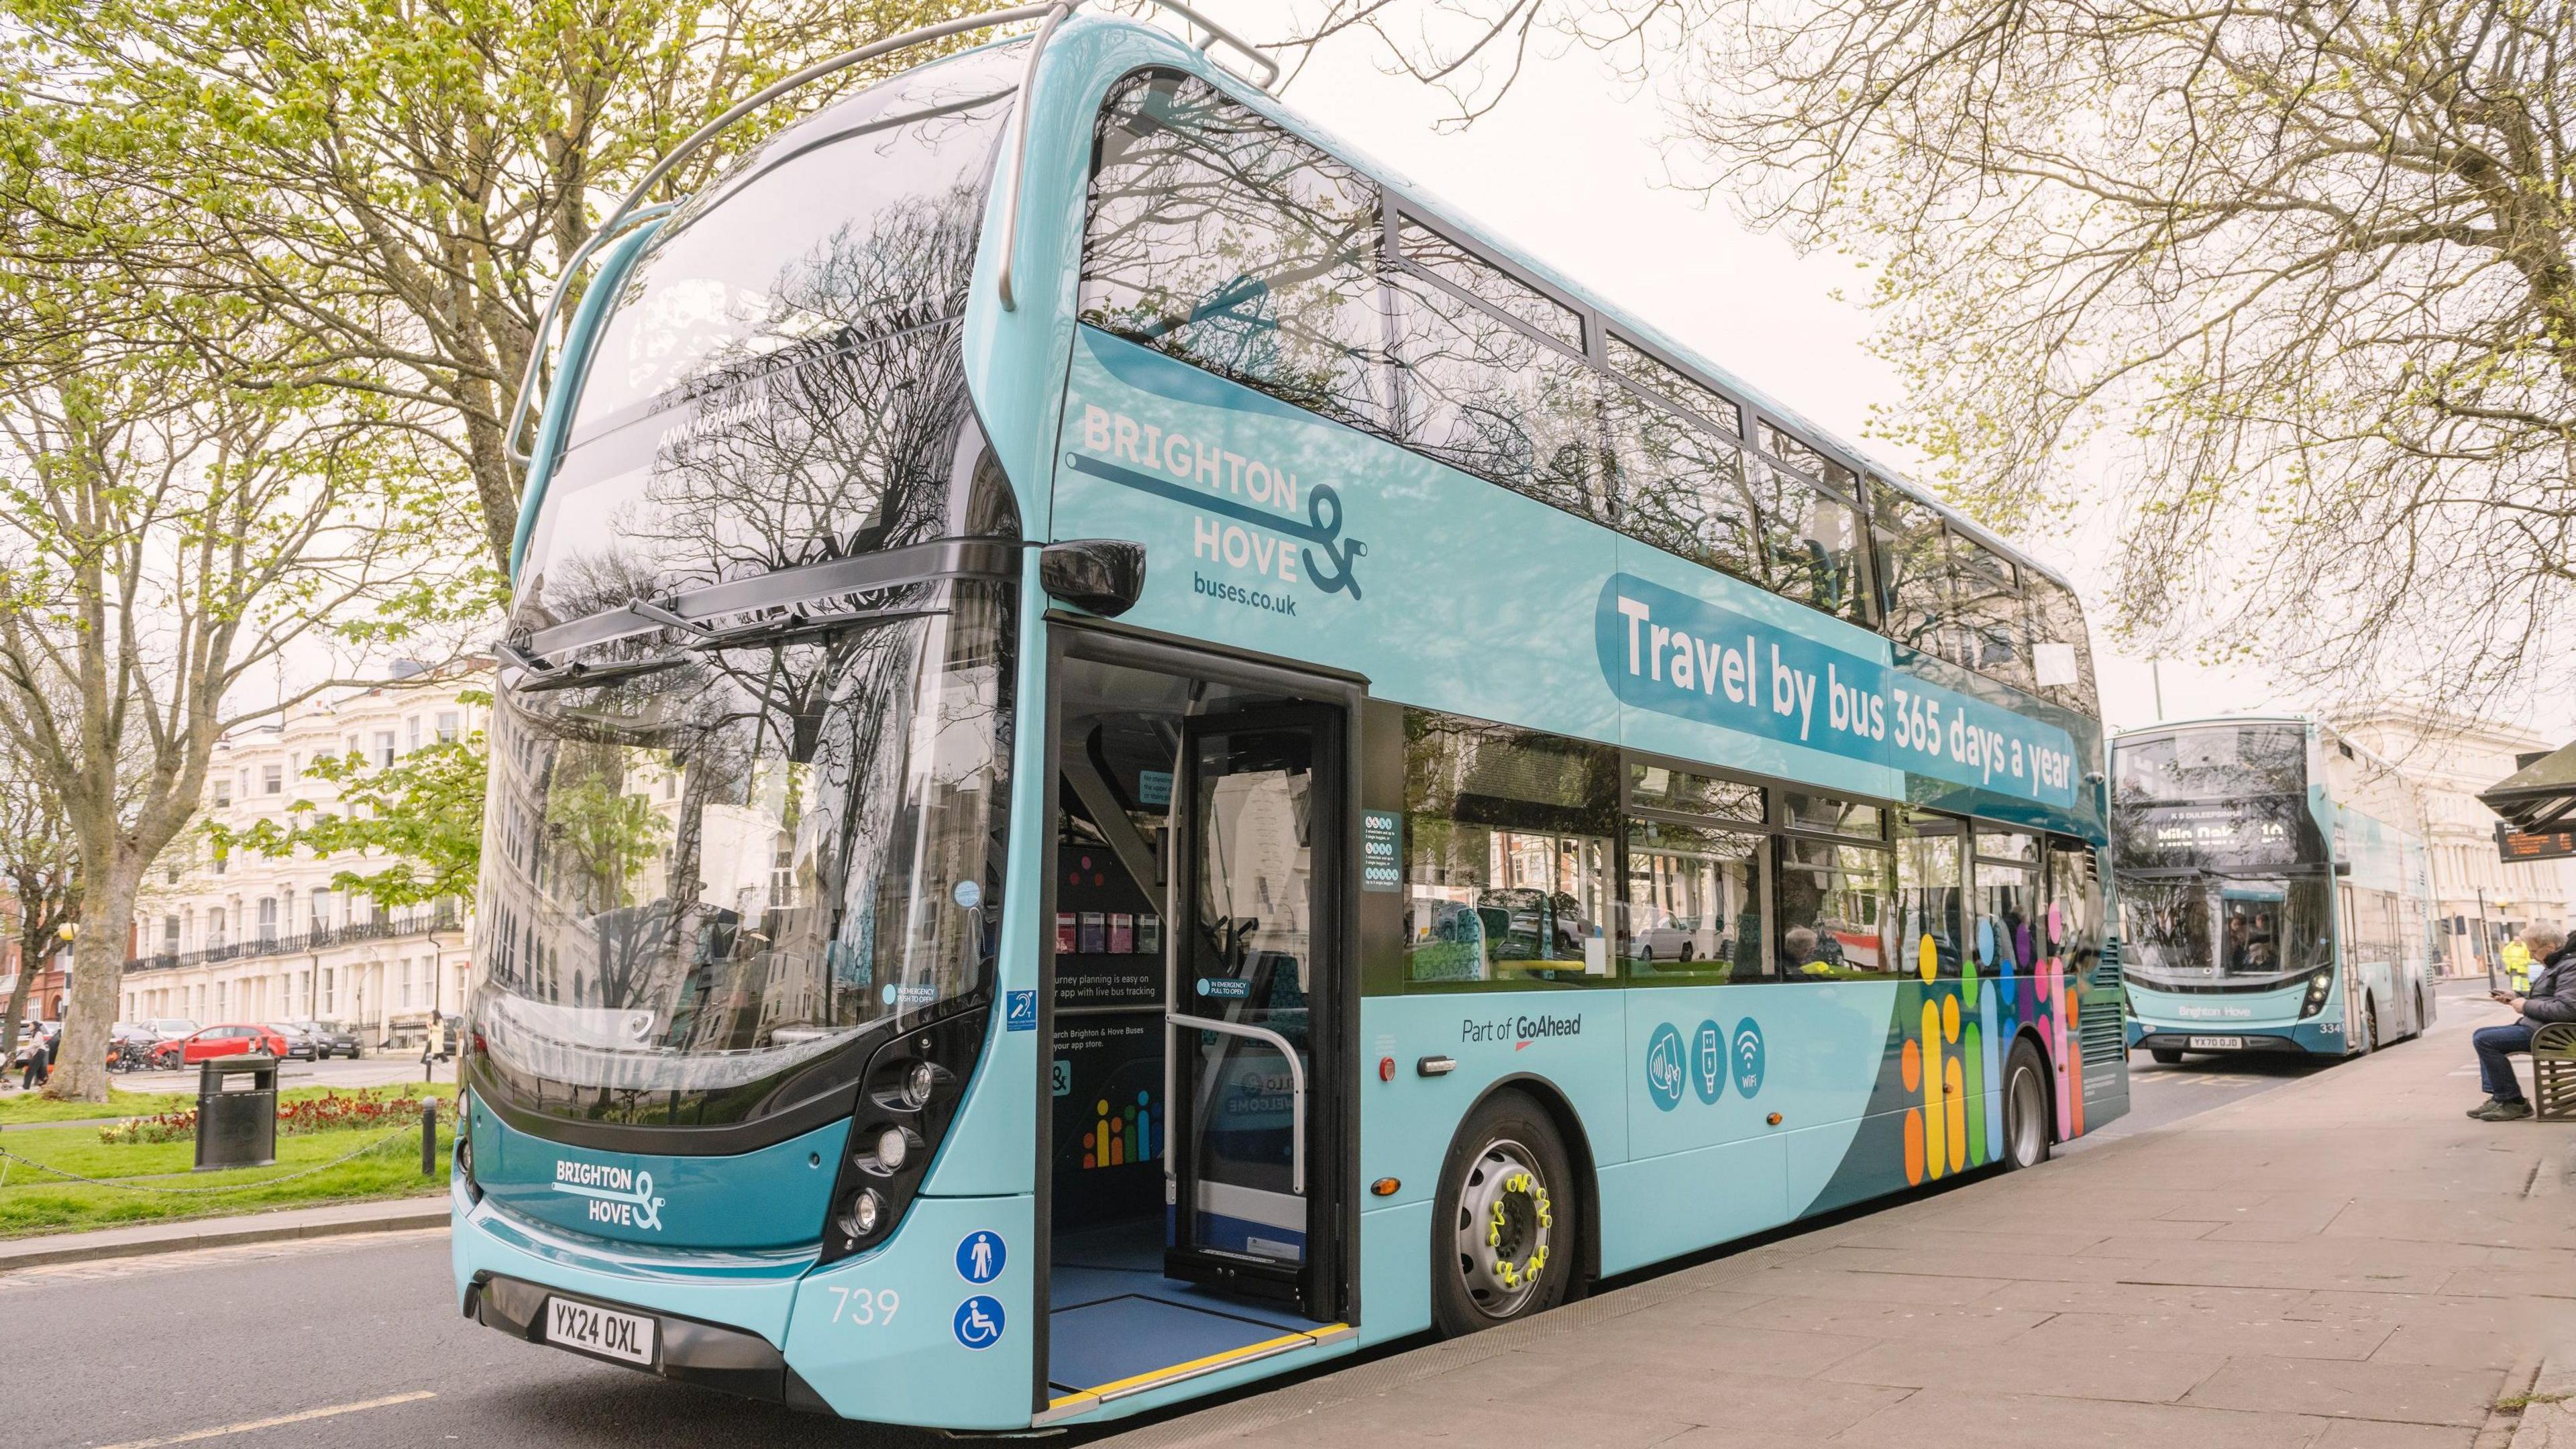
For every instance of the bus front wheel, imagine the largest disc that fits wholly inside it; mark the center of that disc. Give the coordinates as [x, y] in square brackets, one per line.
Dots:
[2026, 1094]
[2365, 1028]
[1503, 1224]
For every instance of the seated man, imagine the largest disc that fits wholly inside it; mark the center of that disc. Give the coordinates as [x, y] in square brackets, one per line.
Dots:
[2552, 998]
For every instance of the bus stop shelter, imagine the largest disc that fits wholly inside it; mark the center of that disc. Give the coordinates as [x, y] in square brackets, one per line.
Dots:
[2538, 803]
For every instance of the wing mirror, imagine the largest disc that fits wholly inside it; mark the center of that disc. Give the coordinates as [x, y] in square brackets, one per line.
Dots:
[1104, 576]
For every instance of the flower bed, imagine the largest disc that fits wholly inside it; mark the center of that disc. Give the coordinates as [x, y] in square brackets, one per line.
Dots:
[329, 1112]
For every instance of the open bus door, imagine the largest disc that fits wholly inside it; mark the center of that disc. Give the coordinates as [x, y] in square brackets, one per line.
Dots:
[1201, 1158]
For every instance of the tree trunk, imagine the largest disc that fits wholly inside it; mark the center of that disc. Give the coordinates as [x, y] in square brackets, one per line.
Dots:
[98, 976]
[17, 1004]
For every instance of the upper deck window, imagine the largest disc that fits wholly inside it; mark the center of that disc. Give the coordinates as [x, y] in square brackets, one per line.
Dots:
[1220, 239]
[855, 224]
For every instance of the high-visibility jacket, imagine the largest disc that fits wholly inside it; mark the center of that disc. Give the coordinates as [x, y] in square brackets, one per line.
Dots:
[2517, 968]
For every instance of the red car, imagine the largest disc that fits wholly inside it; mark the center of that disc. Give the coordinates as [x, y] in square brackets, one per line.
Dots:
[231, 1040]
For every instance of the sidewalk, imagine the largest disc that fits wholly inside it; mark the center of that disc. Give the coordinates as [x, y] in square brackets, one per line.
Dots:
[2345, 1262]
[384, 1216]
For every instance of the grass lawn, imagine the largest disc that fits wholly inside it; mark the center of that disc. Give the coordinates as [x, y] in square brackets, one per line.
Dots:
[32, 1202]
[37, 1107]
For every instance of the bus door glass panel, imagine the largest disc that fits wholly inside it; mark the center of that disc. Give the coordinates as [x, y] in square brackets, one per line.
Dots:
[1256, 793]
[2009, 931]
[1930, 886]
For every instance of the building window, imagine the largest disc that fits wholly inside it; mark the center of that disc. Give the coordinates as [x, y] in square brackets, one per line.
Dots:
[272, 778]
[413, 726]
[223, 794]
[404, 999]
[384, 748]
[170, 935]
[448, 726]
[267, 918]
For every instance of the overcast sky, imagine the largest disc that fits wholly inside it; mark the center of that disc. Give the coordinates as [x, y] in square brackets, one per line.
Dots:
[1573, 167]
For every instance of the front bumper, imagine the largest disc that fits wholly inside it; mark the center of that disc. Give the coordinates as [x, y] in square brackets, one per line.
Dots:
[2304, 1039]
[870, 1337]
[709, 1355]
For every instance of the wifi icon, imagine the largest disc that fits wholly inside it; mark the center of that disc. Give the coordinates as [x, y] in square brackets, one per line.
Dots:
[1745, 1057]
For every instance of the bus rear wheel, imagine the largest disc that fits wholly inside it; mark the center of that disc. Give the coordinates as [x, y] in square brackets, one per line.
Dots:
[2026, 1094]
[1504, 1224]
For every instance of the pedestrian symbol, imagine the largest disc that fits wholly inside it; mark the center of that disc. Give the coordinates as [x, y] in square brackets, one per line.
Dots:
[980, 1256]
[979, 1322]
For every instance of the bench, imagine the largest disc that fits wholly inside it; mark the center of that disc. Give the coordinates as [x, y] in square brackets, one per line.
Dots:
[2553, 1071]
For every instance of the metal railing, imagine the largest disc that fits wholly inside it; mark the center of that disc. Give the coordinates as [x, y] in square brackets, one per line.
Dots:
[632, 211]
[400, 923]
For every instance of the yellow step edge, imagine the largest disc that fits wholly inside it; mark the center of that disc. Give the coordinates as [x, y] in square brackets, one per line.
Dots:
[1083, 1401]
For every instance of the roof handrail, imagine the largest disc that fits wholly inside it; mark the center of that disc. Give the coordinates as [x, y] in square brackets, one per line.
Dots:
[627, 210]
[628, 213]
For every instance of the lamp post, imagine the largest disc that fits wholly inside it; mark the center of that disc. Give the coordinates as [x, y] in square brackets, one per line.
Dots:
[67, 932]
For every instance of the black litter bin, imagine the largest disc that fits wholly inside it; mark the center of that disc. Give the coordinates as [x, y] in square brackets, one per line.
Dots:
[236, 1126]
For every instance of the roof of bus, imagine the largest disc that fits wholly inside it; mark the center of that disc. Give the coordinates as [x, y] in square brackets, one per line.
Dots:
[2226, 718]
[1186, 57]
[2256, 717]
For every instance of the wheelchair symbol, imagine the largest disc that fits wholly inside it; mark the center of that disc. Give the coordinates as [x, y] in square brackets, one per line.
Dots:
[979, 1322]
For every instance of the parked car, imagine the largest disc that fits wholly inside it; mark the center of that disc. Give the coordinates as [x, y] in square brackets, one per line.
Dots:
[169, 1028]
[229, 1040]
[299, 1042]
[331, 1039]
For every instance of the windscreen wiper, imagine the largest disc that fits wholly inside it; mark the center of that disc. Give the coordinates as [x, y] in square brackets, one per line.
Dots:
[541, 657]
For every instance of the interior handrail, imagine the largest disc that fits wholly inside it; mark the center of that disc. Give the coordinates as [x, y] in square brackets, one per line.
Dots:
[1296, 1084]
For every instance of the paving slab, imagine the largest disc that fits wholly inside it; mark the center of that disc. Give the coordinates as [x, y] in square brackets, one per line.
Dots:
[2344, 1261]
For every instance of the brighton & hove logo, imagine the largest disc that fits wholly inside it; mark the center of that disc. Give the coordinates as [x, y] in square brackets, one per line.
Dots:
[621, 1196]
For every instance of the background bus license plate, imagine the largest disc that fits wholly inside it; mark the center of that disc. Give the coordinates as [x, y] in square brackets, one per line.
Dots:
[2217, 1043]
[603, 1331]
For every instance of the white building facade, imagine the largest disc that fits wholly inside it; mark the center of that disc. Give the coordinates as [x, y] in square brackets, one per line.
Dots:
[2480, 901]
[256, 939]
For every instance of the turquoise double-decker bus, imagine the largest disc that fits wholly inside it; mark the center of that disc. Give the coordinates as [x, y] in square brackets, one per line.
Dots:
[2275, 894]
[1131, 757]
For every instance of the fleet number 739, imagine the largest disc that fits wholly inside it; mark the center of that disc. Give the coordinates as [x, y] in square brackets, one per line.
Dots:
[863, 1308]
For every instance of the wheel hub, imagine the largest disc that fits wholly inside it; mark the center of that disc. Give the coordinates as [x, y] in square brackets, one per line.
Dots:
[1505, 1221]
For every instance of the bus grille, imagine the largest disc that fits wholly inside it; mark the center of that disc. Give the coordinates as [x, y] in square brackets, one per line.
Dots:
[2103, 1035]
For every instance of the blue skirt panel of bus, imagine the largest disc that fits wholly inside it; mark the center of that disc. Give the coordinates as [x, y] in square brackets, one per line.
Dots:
[773, 1198]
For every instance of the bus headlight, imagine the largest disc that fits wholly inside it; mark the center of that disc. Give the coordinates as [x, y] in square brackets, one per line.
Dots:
[863, 1214]
[2319, 986]
[906, 1096]
[918, 1084]
[890, 1150]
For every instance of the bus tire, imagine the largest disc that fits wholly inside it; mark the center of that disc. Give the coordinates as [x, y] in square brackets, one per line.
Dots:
[1503, 1224]
[2166, 1056]
[2026, 1110]
[2364, 1029]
